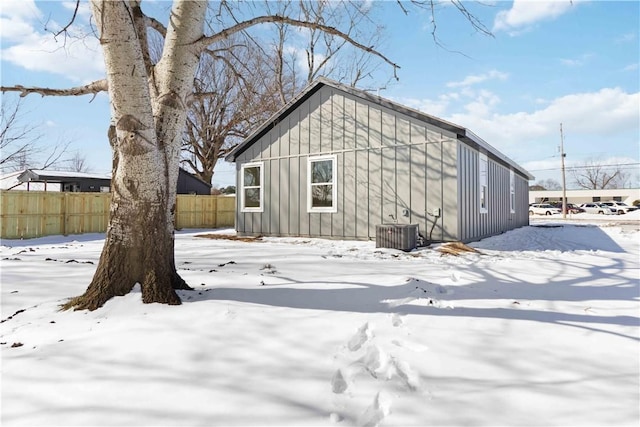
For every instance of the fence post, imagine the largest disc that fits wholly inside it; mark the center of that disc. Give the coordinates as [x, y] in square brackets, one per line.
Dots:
[65, 200]
[43, 215]
[215, 211]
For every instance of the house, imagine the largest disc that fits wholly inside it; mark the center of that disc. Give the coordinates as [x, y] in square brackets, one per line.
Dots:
[337, 162]
[191, 184]
[9, 181]
[49, 180]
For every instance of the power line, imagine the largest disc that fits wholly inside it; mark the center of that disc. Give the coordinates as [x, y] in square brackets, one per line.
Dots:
[590, 167]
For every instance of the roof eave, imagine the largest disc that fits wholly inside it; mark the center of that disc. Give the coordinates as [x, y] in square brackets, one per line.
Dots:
[498, 154]
[271, 121]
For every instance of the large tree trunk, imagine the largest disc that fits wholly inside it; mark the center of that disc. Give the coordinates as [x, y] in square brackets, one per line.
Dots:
[148, 117]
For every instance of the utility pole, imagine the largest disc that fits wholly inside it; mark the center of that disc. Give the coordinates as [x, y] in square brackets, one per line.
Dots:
[564, 180]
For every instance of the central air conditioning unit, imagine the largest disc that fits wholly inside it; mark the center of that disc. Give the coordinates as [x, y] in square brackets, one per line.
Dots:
[397, 236]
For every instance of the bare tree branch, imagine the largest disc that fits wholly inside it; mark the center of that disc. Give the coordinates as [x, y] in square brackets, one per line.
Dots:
[71, 21]
[596, 175]
[55, 155]
[431, 6]
[77, 163]
[21, 145]
[17, 141]
[156, 25]
[476, 23]
[227, 32]
[91, 89]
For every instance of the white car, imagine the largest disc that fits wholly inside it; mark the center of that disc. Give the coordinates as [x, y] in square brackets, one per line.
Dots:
[620, 207]
[597, 208]
[543, 209]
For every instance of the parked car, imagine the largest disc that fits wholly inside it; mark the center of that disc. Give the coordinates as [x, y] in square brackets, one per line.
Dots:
[596, 208]
[620, 207]
[571, 208]
[574, 209]
[543, 209]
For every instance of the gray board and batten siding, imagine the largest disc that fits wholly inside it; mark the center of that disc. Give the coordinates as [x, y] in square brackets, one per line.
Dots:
[391, 164]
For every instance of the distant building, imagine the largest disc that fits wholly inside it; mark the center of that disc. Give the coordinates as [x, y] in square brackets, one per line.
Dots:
[626, 195]
[49, 180]
[191, 184]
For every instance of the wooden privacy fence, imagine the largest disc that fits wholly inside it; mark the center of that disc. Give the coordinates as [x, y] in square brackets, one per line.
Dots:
[27, 214]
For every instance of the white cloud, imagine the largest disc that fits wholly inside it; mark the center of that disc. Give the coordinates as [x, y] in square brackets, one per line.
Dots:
[627, 38]
[602, 123]
[599, 115]
[435, 107]
[78, 57]
[19, 9]
[525, 13]
[577, 62]
[475, 79]
[15, 17]
[631, 67]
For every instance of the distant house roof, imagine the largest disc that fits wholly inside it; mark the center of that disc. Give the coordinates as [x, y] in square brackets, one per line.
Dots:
[37, 179]
[10, 181]
[57, 176]
[187, 182]
[462, 133]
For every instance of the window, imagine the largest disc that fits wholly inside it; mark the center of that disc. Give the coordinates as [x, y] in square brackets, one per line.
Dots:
[483, 179]
[322, 189]
[252, 188]
[595, 199]
[512, 192]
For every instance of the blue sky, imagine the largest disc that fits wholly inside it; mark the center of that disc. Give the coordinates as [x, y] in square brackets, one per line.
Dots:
[574, 63]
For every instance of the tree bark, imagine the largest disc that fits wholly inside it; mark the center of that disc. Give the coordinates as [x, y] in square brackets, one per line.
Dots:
[148, 115]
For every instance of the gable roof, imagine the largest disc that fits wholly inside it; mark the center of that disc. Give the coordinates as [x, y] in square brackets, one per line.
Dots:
[58, 176]
[463, 134]
[187, 182]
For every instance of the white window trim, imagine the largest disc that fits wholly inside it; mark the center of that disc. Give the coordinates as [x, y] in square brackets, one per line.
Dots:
[242, 188]
[334, 184]
[512, 191]
[483, 180]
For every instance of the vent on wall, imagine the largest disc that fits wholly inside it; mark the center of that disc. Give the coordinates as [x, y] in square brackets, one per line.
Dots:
[397, 236]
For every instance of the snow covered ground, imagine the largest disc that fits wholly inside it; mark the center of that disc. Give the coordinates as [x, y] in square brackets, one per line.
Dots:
[539, 328]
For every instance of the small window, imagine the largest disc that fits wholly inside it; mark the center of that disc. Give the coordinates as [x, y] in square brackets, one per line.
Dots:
[483, 179]
[252, 187]
[322, 189]
[512, 192]
[595, 199]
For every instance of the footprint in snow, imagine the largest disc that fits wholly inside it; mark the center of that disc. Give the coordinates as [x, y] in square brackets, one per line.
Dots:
[338, 383]
[406, 374]
[397, 320]
[374, 361]
[363, 335]
[377, 411]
